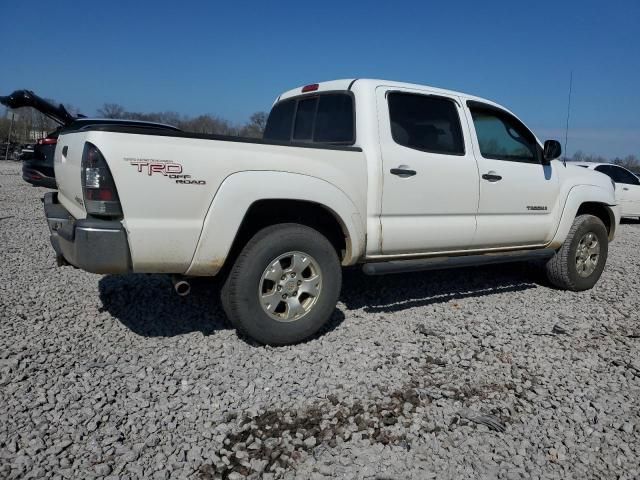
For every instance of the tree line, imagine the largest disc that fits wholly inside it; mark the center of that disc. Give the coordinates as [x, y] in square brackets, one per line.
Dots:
[206, 124]
[29, 124]
[29, 120]
[630, 162]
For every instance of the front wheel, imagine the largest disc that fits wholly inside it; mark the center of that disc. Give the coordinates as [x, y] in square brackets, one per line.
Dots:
[284, 285]
[581, 259]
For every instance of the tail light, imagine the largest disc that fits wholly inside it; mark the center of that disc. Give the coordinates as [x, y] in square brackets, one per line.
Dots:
[98, 188]
[47, 141]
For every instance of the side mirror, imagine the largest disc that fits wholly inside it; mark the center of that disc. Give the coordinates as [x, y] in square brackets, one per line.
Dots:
[552, 150]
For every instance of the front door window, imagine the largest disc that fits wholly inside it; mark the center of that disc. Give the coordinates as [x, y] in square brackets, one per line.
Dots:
[501, 138]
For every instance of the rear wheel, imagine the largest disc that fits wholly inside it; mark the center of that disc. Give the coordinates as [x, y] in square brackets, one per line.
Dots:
[581, 259]
[284, 285]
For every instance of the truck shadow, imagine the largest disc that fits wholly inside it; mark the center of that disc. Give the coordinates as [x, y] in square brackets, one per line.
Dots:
[148, 306]
[394, 293]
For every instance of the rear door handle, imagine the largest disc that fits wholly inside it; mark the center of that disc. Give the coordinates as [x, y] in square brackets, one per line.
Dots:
[492, 177]
[403, 171]
[625, 188]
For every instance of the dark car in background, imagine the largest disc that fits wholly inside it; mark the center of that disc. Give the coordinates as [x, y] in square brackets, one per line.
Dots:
[37, 162]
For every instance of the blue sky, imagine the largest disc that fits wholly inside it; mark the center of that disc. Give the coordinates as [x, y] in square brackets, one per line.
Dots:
[233, 58]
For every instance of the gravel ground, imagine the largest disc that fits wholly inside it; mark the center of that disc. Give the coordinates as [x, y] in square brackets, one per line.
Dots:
[474, 373]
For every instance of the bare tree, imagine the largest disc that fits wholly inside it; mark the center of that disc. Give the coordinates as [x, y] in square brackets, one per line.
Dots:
[578, 156]
[630, 162]
[72, 109]
[111, 110]
[5, 122]
[255, 126]
[170, 118]
[208, 124]
[31, 125]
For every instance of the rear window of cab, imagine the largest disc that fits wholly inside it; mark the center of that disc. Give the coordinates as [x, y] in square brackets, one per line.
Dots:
[323, 118]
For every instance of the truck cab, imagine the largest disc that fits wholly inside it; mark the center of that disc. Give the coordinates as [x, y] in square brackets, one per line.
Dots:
[446, 171]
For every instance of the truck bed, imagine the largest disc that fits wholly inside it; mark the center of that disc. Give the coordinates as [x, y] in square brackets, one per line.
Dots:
[167, 182]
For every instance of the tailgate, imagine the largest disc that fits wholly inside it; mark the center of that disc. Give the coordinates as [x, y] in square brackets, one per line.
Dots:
[67, 165]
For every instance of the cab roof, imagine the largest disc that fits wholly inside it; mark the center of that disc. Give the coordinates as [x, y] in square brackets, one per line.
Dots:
[372, 84]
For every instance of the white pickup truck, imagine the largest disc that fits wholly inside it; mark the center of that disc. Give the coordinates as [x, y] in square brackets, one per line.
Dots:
[391, 175]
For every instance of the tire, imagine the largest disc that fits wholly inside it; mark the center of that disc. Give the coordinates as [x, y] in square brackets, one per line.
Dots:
[255, 304]
[566, 269]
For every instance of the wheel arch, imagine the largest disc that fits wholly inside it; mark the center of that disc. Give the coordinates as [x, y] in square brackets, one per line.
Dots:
[249, 201]
[587, 199]
[602, 211]
[266, 212]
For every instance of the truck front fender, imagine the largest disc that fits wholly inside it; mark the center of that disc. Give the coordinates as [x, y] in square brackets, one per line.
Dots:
[240, 190]
[578, 196]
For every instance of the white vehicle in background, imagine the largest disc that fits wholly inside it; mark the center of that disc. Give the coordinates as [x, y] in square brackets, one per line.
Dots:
[395, 176]
[627, 186]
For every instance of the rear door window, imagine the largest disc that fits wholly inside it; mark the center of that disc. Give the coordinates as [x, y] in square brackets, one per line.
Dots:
[425, 122]
[325, 118]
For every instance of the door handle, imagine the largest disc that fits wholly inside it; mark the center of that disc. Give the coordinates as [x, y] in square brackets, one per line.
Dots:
[491, 177]
[625, 188]
[403, 171]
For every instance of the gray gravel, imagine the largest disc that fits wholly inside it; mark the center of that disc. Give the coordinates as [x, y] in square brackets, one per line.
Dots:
[474, 373]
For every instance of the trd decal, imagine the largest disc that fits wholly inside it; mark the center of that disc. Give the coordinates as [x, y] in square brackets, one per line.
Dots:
[157, 167]
[166, 168]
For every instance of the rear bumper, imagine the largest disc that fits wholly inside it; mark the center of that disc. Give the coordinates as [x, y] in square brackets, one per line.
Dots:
[97, 246]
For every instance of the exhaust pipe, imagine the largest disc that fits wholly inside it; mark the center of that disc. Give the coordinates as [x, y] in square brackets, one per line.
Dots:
[181, 286]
